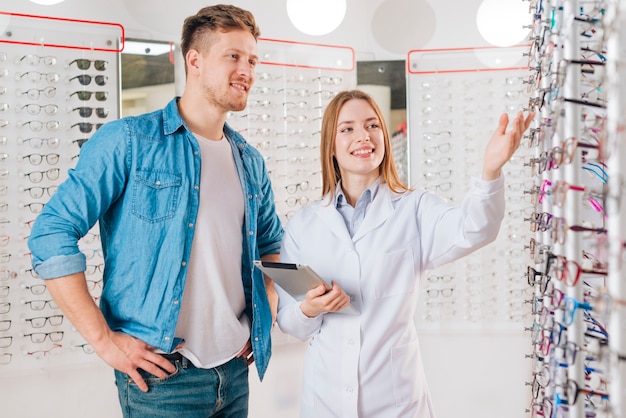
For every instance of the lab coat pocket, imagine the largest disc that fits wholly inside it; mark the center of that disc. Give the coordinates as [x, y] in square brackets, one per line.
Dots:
[406, 373]
[393, 273]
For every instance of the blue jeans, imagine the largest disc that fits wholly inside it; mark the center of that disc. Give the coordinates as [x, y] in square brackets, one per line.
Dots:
[189, 392]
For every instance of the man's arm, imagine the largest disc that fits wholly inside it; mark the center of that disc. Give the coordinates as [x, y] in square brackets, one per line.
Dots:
[120, 351]
[272, 296]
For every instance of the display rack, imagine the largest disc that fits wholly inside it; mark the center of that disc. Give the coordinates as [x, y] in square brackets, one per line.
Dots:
[59, 81]
[615, 22]
[456, 97]
[574, 373]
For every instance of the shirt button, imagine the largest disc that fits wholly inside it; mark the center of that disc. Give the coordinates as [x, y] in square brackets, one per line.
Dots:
[349, 389]
[157, 183]
[251, 233]
[175, 302]
[249, 196]
[195, 153]
[184, 263]
[350, 341]
[256, 338]
[196, 187]
[190, 225]
[167, 338]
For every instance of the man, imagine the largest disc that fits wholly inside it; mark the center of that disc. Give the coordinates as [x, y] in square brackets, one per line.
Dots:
[184, 205]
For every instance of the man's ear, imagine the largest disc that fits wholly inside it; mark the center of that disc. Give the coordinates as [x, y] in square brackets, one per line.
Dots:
[193, 60]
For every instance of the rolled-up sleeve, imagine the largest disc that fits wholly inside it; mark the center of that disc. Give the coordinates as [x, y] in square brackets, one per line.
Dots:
[270, 230]
[77, 205]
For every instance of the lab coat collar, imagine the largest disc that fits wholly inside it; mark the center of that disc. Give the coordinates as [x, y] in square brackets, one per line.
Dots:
[333, 220]
[340, 196]
[379, 211]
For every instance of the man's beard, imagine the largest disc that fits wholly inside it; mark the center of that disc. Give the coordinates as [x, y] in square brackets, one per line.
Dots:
[225, 102]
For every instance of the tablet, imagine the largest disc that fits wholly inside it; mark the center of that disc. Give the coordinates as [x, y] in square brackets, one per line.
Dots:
[297, 279]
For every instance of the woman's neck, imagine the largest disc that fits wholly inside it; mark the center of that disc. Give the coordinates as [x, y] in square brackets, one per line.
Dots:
[354, 186]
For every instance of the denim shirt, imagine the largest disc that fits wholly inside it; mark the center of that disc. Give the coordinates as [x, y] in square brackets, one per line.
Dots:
[138, 177]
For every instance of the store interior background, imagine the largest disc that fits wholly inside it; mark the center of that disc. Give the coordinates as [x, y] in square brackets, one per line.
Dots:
[478, 373]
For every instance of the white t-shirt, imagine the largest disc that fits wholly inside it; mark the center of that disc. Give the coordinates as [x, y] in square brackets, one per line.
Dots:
[212, 318]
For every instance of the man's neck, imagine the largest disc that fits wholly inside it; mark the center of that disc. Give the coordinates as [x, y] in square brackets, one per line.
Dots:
[202, 118]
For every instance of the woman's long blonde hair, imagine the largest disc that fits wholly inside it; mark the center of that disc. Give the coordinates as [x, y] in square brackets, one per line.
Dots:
[330, 169]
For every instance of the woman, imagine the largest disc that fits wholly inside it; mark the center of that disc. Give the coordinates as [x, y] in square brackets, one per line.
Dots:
[373, 237]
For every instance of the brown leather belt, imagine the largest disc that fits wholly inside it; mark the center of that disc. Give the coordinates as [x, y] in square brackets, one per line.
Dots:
[173, 356]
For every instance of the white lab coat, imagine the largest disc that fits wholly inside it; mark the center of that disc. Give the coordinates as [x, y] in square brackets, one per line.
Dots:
[369, 366]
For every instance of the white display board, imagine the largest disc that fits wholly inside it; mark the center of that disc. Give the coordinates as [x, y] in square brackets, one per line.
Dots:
[456, 97]
[59, 81]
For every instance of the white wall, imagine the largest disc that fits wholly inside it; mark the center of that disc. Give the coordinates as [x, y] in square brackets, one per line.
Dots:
[89, 391]
[60, 392]
[478, 374]
[471, 375]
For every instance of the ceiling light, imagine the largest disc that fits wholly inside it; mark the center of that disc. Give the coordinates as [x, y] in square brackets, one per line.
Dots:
[316, 17]
[47, 2]
[501, 22]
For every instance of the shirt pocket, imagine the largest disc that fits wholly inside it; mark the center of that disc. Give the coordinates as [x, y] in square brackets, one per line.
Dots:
[155, 194]
[393, 273]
